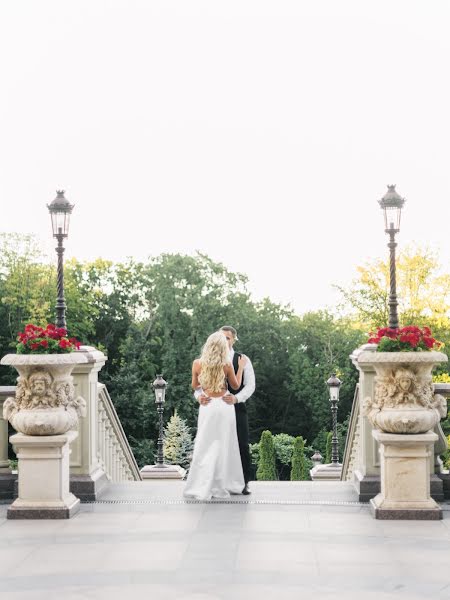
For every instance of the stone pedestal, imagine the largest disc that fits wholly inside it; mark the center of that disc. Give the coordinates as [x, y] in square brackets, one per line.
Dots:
[87, 475]
[328, 472]
[405, 477]
[397, 396]
[43, 477]
[162, 472]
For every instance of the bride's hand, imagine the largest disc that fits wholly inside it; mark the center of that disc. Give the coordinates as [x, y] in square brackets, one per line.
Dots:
[242, 361]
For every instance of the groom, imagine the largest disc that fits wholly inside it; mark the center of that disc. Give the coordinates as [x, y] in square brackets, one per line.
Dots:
[238, 398]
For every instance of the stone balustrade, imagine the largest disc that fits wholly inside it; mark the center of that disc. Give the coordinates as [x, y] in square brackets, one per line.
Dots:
[101, 452]
[352, 440]
[114, 453]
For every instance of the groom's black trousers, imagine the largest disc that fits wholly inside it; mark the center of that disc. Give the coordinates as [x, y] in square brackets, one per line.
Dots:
[243, 438]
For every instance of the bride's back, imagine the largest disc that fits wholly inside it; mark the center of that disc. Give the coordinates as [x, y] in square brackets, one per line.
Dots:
[212, 363]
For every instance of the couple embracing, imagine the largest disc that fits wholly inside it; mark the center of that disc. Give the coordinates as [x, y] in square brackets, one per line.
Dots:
[223, 380]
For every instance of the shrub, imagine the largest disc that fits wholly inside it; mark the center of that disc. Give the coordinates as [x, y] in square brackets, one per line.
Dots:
[284, 445]
[299, 471]
[254, 453]
[266, 468]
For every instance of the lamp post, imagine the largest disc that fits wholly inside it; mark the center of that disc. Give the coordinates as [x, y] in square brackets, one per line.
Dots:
[159, 385]
[60, 210]
[331, 471]
[392, 204]
[160, 470]
[334, 383]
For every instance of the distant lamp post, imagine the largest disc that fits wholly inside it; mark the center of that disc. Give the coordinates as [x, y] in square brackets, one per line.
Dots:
[392, 204]
[159, 385]
[334, 383]
[331, 471]
[161, 470]
[60, 210]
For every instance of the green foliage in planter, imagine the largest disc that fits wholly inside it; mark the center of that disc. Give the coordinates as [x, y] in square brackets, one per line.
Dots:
[49, 340]
[299, 471]
[266, 468]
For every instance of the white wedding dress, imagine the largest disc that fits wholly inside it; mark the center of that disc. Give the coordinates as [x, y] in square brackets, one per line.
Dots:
[216, 468]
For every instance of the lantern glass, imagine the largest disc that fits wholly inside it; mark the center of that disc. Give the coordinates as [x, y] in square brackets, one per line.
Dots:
[60, 210]
[392, 204]
[60, 222]
[159, 395]
[392, 215]
[334, 383]
[334, 392]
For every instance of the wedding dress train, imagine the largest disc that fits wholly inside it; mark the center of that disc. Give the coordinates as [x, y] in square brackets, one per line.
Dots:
[216, 469]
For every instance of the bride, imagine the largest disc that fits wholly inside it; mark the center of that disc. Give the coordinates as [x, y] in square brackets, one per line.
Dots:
[216, 468]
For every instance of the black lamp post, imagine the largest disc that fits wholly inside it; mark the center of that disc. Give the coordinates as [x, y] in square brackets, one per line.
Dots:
[159, 385]
[392, 204]
[334, 383]
[60, 210]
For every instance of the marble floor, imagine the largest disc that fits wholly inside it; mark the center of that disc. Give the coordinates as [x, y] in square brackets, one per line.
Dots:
[286, 540]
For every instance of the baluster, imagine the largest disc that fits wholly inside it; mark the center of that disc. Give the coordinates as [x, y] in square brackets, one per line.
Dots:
[114, 458]
[101, 433]
[123, 465]
[108, 449]
[111, 451]
[104, 442]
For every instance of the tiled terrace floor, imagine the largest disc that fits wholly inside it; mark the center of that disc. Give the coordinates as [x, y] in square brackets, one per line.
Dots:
[287, 540]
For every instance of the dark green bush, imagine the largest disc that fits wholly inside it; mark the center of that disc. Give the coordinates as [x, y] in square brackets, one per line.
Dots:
[266, 467]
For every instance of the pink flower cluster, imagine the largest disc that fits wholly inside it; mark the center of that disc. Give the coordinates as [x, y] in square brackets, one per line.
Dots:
[51, 339]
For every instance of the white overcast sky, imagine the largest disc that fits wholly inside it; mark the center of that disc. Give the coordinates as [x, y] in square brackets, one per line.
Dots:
[259, 132]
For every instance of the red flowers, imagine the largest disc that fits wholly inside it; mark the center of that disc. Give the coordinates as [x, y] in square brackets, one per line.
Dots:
[48, 340]
[405, 339]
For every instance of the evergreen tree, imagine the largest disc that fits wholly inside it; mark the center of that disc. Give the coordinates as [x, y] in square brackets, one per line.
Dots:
[178, 444]
[299, 471]
[266, 467]
[328, 449]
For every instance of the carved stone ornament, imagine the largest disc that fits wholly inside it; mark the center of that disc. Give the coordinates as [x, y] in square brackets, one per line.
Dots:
[403, 400]
[45, 402]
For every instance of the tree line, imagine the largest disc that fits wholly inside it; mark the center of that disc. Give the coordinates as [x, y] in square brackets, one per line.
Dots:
[153, 317]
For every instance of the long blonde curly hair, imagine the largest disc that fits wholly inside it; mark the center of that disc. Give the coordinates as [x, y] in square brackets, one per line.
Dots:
[214, 356]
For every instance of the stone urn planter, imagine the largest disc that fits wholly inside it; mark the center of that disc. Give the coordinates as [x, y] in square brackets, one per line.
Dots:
[404, 410]
[45, 402]
[404, 401]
